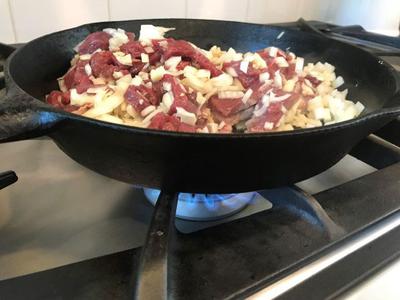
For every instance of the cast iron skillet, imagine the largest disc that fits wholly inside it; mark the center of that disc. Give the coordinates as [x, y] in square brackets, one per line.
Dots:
[196, 162]
[182, 162]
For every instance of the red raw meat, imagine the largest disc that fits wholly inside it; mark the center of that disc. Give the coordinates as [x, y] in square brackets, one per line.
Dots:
[226, 107]
[184, 49]
[77, 78]
[104, 64]
[61, 100]
[180, 97]
[171, 123]
[134, 48]
[136, 99]
[314, 81]
[273, 115]
[94, 41]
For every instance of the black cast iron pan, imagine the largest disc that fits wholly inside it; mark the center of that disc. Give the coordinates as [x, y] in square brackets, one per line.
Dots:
[196, 162]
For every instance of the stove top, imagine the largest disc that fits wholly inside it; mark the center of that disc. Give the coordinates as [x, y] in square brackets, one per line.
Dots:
[67, 232]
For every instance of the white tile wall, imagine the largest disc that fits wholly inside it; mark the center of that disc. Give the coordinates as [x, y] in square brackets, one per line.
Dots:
[135, 9]
[217, 9]
[6, 27]
[267, 11]
[23, 20]
[35, 18]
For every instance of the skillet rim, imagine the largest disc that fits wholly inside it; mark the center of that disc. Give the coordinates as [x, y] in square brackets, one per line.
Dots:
[43, 107]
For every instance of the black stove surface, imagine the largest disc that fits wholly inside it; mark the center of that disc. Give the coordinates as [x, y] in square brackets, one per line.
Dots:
[236, 259]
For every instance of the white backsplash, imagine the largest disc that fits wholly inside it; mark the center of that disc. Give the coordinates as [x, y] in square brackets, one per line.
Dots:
[23, 20]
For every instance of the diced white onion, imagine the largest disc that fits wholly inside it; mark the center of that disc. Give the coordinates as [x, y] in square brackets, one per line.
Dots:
[274, 98]
[273, 51]
[281, 62]
[137, 80]
[167, 101]
[172, 62]
[149, 109]
[88, 70]
[149, 49]
[110, 118]
[338, 82]
[157, 74]
[125, 59]
[230, 94]
[118, 38]
[222, 80]
[150, 116]
[247, 96]
[202, 73]
[144, 57]
[299, 65]
[150, 32]
[231, 71]
[268, 125]
[85, 56]
[359, 107]
[263, 77]
[185, 116]
[278, 79]
[244, 65]
[261, 109]
[221, 125]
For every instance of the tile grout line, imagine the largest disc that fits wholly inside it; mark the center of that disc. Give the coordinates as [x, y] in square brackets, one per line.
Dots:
[14, 29]
[246, 17]
[186, 8]
[109, 10]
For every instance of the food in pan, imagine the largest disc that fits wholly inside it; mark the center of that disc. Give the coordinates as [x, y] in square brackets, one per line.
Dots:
[163, 83]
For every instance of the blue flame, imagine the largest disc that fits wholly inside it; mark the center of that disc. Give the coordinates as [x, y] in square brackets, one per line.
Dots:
[212, 202]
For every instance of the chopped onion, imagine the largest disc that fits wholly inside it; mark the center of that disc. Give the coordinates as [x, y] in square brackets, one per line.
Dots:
[185, 116]
[167, 101]
[278, 79]
[149, 49]
[268, 125]
[125, 59]
[299, 65]
[157, 74]
[263, 77]
[110, 118]
[281, 62]
[150, 32]
[244, 65]
[149, 109]
[261, 109]
[137, 80]
[221, 125]
[338, 82]
[172, 62]
[274, 98]
[150, 116]
[85, 57]
[222, 80]
[247, 96]
[144, 57]
[359, 107]
[231, 71]
[273, 51]
[88, 69]
[202, 73]
[230, 94]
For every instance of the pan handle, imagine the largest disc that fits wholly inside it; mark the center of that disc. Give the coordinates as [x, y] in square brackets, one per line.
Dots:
[23, 117]
[152, 280]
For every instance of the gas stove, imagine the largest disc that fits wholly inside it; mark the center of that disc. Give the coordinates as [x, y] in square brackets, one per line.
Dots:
[67, 232]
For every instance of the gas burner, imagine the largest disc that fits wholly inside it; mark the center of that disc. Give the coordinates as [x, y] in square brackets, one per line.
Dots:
[205, 207]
